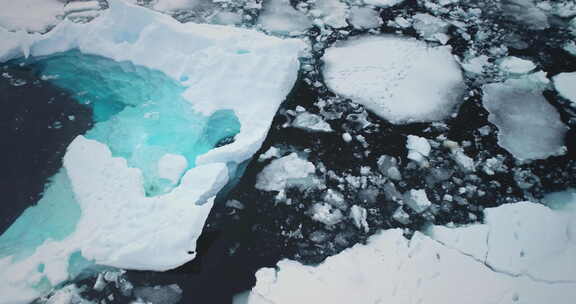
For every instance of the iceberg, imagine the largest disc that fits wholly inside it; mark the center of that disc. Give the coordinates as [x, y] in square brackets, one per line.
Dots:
[523, 253]
[134, 191]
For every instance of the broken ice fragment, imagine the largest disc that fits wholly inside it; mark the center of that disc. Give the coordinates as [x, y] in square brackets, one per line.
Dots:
[529, 127]
[417, 200]
[565, 84]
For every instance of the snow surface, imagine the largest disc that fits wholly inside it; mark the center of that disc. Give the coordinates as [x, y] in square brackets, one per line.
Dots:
[364, 17]
[400, 79]
[529, 127]
[565, 84]
[530, 246]
[31, 15]
[119, 225]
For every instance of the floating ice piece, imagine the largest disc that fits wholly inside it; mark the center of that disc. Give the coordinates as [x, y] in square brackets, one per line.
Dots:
[516, 65]
[411, 82]
[332, 12]
[364, 17]
[417, 200]
[383, 3]
[279, 17]
[326, 214]
[418, 148]
[286, 171]
[118, 224]
[565, 84]
[426, 269]
[311, 122]
[529, 127]
[358, 215]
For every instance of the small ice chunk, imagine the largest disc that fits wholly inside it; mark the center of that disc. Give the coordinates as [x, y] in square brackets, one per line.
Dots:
[515, 65]
[273, 152]
[565, 84]
[417, 200]
[388, 166]
[358, 215]
[334, 12]
[401, 216]
[529, 127]
[418, 148]
[364, 17]
[431, 27]
[476, 65]
[311, 122]
[326, 214]
[383, 3]
[412, 82]
[279, 17]
[172, 166]
[287, 171]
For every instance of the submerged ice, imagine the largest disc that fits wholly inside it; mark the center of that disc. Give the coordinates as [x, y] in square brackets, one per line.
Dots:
[177, 107]
[140, 114]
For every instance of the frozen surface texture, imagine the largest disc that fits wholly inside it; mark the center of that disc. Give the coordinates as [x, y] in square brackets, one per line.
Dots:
[400, 79]
[523, 253]
[529, 127]
[565, 84]
[111, 219]
[279, 17]
[287, 171]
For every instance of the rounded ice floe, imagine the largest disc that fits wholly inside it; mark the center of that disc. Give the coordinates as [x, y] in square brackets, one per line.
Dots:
[565, 84]
[401, 79]
[516, 65]
[279, 17]
[528, 126]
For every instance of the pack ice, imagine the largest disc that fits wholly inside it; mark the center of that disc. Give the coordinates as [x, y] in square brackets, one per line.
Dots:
[523, 253]
[401, 79]
[97, 210]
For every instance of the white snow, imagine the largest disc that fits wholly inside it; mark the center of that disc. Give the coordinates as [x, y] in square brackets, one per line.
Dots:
[447, 266]
[31, 15]
[529, 127]
[285, 171]
[383, 3]
[119, 225]
[565, 84]
[332, 12]
[173, 5]
[279, 17]
[431, 27]
[400, 79]
[172, 166]
[358, 215]
[311, 122]
[418, 148]
[326, 214]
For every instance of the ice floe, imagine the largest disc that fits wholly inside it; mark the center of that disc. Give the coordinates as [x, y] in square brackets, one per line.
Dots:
[400, 79]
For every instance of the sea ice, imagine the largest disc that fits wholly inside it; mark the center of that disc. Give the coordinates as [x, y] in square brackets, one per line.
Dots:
[286, 171]
[400, 79]
[383, 3]
[529, 249]
[279, 17]
[104, 215]
[529, 127]
[565, 84]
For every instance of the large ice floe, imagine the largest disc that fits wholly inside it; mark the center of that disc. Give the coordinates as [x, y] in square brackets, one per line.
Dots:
[176, 108]
[529, 126]
[400, 79]
[523, 253]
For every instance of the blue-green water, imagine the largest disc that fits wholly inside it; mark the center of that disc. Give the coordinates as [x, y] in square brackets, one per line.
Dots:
[139, 113]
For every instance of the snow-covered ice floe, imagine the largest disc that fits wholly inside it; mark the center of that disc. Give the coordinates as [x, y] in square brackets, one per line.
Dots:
[106, 217]
[523, 253]
[400, 79]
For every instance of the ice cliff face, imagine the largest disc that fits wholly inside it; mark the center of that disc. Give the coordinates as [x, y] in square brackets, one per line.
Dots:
[109, 220]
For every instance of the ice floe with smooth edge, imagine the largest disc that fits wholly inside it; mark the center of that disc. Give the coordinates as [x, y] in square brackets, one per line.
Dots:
[524, 253]
[529, 127]
[223, 68]
[565, 84]
[400, 79]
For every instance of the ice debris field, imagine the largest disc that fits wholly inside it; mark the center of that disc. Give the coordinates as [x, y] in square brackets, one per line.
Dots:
[180, 108]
